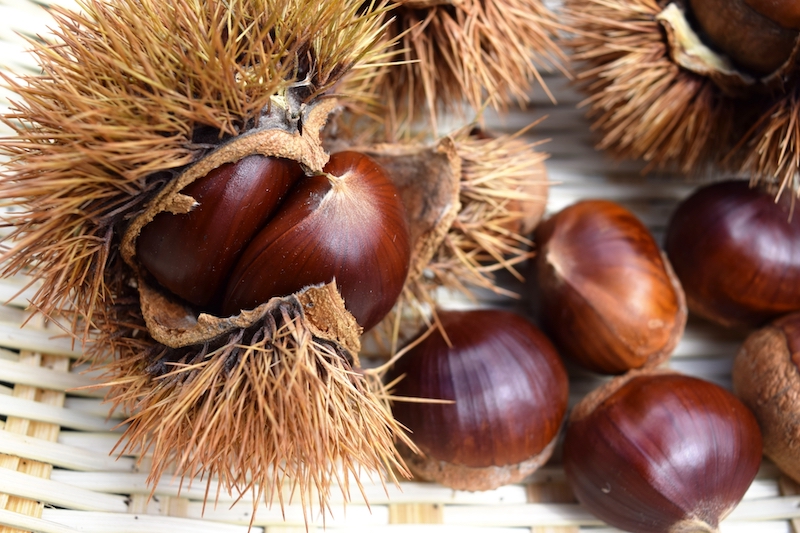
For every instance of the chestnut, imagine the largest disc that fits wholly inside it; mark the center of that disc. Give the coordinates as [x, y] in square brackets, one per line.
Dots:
[607, 295]
[346, 225]
[191, 254]
[260, 228]
[758, 35]
[508, 390]
[736, 250]
[659, 452]
[786, 13]
[766, 377]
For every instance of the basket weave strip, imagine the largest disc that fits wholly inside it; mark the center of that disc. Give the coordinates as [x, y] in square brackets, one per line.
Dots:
[13, 497]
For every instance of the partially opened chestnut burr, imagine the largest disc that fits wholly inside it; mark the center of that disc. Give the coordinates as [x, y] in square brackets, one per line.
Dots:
[693, 85]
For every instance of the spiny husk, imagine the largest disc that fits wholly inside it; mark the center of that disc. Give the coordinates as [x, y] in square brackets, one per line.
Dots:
[275, 409]
[502, 192]
[134, 90]
[770, 151]
[484, 52]
[134, 93]
[642, 104]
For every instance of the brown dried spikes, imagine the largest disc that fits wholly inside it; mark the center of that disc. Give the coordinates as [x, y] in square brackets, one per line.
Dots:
[474, 51]
[503, 193]
[641, 103]
[770, 151]
[502, 190]
[133, 90]
[272, 410]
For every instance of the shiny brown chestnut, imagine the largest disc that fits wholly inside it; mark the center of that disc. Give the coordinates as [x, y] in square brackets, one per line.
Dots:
[758, 35]
[766, 377]
[736, 251]
[191, 254]
[608, 297]
[346, 225]
[658, 452]
[508, 389]
[783, 12]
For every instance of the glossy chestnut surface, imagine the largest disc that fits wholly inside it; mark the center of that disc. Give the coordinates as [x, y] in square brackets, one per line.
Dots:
[737, 253]
[786, 13]
[661, 453]
[608, 298]
[739, 29]
[507, 383]
[348, 225]
[191, 254]
[766, 376]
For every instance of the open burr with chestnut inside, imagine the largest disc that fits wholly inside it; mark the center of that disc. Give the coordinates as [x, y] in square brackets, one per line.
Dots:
[607, 296]
[218, 260]
[237, 250]
[658, 452]
[692, 84]
[483, 397]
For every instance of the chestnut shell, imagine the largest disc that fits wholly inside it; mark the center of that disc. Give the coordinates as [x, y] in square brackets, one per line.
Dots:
[507, 383]
[348, 225]
[737, 253]
[650, 452]
[608, 297]
[783, 12]
[754, 42]
[192, 254]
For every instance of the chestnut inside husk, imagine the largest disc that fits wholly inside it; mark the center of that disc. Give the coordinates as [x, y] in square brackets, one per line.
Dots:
[262, 229]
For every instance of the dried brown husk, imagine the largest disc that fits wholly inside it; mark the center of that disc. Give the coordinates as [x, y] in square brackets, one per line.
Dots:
[136, 102]
[641, 103]
[500, 190]
[478, 52]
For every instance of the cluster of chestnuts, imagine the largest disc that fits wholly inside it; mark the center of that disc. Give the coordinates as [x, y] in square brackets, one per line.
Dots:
[185, 201]
[651, 450]
[263, 229]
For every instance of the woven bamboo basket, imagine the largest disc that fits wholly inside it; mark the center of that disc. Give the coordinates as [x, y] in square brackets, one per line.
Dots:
[59, 474]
